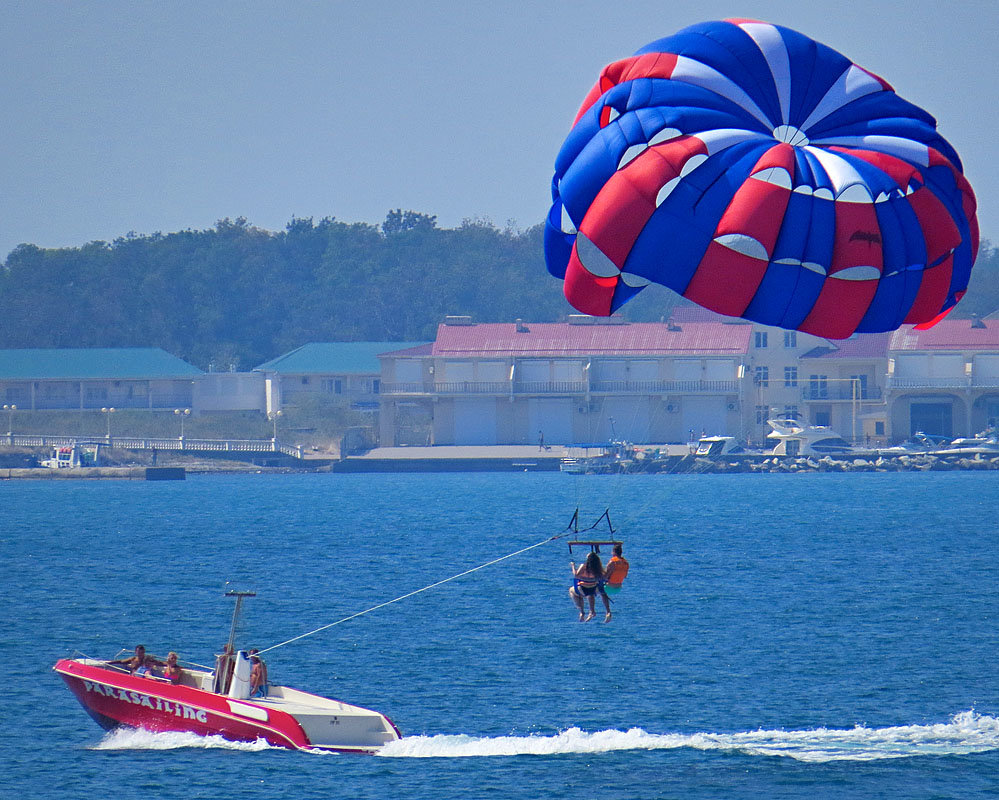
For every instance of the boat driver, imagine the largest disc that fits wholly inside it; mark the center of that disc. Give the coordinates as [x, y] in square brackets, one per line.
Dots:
[133, 662]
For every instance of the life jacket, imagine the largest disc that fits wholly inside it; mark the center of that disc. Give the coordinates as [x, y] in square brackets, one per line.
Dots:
[616, 571]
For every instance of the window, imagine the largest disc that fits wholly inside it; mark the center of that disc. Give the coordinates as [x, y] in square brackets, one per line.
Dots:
[376, 386]
[762, 414]
[790, 339]
[790, 376]
[761, 339]
[305, 381]
[818, 386]
[761, 376]
[790, 412]
[860, 381]
[879, 428]
[96, 394]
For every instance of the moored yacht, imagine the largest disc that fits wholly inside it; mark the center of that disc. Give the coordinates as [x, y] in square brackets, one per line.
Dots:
[797, 439]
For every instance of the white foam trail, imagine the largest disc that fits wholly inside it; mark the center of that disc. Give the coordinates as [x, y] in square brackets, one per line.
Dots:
[966, 732]
[138, 739]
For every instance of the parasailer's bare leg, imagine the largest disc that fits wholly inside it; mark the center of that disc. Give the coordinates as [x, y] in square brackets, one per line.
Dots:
[606, 599]
[577, 601]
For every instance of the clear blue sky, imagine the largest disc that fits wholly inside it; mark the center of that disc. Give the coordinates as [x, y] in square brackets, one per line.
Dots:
[141, 116]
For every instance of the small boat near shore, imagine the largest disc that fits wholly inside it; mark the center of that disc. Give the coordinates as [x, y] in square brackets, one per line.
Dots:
[794, 438]
[114, 696]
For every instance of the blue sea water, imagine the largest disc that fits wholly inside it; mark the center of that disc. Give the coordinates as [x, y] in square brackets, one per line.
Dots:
[779, 635]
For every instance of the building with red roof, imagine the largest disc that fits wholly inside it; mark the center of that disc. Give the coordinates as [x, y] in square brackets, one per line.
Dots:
[944, 380]
[592, 380]
[581, 381]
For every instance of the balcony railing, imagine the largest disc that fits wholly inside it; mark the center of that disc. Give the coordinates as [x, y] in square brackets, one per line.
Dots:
[472, 387]
[407, 387]
[841, 393]
[665, 387]
[549, 387]
[561, 387]
[895, 382]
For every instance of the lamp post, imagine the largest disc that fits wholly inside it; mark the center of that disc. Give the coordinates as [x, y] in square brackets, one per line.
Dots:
[108, 412]
[10, 409]
[182, 412]
[274, 418]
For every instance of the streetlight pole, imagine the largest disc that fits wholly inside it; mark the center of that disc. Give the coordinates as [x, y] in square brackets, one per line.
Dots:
[274, 418]
[10, 409]
[182, 412]
[108, 412]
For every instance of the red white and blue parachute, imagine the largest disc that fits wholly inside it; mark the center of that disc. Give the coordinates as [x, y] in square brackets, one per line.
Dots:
[762, 175]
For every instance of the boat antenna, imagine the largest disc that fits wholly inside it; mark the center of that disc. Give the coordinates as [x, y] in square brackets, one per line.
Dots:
[235, 615]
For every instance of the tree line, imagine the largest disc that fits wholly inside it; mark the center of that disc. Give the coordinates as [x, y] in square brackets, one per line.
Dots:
[234, 295]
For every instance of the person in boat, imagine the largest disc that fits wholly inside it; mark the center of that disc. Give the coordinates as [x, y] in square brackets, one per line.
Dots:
[587, 583]
[616, 571]
[135, 662]
[172, 670]
[148, 668]
[224, 665]
[258, 674]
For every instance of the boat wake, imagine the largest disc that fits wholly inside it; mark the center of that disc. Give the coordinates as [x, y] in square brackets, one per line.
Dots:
[965, 733]
[138, 739]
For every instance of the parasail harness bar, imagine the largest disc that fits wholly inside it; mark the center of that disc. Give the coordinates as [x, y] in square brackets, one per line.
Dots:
[593, 544]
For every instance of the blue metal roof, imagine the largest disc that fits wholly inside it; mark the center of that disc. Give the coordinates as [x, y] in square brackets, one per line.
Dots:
[99, 363]
[333, 358]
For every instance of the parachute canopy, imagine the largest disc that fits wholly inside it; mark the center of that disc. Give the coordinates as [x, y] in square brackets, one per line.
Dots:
[762, 175]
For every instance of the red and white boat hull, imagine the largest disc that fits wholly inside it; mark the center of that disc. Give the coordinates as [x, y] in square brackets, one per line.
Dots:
[286, 718]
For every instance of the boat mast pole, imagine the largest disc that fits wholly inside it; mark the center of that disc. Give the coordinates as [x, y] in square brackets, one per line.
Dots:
[235, 615]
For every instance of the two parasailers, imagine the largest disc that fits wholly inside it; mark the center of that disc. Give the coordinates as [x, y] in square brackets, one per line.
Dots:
[590, 578]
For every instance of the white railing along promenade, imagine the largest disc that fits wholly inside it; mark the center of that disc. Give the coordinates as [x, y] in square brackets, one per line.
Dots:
[148, 443]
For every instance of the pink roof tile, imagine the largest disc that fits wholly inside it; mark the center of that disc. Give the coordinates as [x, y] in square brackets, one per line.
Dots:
[694, 313]
[948, 334]
[564, 339]
[863, 345]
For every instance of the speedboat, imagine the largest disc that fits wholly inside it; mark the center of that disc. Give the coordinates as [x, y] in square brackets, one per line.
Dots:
[572, 465]
[717, 446]
[918, 443]
[200, 703]
[796, 439]
[986, 442]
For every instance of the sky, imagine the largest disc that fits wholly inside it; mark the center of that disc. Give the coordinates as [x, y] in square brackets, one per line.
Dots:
[138, 116]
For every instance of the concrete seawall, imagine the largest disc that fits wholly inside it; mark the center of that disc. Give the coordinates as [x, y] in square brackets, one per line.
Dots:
[121, 473]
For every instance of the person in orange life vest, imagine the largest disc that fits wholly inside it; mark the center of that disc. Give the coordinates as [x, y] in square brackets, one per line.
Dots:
[587, 580]
[616, 571]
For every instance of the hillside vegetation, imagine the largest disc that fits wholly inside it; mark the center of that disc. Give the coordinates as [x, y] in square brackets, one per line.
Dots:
[234, 296]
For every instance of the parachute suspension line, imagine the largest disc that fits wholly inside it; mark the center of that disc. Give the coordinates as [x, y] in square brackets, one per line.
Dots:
[416, 592]
[573, 526]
